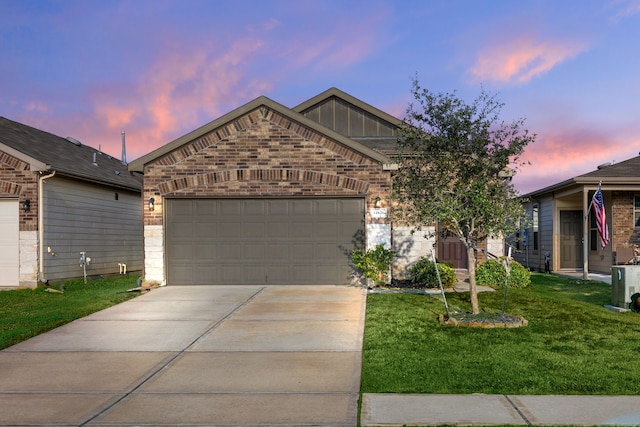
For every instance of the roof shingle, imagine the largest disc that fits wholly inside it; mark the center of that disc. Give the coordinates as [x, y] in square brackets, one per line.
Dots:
[66, 156]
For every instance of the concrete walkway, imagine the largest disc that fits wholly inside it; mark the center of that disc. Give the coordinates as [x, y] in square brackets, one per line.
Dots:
[485, 410]
[208, 355]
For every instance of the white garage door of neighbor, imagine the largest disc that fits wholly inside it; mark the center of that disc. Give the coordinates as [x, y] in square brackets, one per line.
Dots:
[262, 241]
[9, 243]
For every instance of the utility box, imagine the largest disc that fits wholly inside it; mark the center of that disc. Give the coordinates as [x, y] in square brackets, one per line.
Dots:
[625, 281]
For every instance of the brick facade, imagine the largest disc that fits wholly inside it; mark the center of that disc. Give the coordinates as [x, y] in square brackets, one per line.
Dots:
[624, 233]
[17, 181]
[263, 154]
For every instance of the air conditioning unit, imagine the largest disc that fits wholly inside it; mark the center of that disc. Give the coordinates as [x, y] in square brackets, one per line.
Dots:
[625, 281]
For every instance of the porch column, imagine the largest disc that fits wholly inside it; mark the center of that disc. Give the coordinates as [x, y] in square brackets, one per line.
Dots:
[585, 233]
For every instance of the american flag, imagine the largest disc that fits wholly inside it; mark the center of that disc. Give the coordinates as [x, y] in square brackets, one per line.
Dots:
[597, 204]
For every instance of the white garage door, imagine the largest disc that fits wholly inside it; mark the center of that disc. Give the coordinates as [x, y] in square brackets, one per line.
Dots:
[262, 241]
[9, 243]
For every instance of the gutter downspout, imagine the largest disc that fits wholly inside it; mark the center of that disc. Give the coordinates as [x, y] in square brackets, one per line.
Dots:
[41, 223]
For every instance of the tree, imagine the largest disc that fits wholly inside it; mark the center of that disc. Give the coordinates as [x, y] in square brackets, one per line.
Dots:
[456, 161]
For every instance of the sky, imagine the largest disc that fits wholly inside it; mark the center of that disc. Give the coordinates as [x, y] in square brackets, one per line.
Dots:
[158, 69]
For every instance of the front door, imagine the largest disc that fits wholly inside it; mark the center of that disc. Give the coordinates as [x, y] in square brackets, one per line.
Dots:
[452, 251]
[571, 239]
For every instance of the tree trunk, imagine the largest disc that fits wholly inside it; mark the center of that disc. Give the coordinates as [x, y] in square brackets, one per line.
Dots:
[473, 290]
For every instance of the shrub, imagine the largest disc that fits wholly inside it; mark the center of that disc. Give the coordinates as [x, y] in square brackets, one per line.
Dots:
[492, 273]
[374, 263]
[423, 273]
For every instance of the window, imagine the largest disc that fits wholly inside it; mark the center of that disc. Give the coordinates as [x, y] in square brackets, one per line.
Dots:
[593, 232]
[535, 214]
[636, 210]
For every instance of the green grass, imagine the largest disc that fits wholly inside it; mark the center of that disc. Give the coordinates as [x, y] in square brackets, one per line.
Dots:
[573, 345]
[25, 313]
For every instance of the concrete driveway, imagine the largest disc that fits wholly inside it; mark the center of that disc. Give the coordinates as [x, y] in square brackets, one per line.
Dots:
[195, 355]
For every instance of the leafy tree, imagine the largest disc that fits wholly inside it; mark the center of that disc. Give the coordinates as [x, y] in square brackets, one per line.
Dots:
[456, 162]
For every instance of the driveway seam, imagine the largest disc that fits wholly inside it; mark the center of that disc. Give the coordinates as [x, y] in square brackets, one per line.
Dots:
[171, 359]
[524, 417]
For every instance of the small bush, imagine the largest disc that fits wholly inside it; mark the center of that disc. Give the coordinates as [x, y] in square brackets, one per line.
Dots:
[492, 273]
[374, 263]
[423, 273]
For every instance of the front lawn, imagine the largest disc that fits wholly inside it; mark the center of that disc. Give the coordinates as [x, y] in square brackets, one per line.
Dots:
[573, 345]
[25, 313]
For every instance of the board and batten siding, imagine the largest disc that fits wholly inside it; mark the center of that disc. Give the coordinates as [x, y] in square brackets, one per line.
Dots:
[104, 222]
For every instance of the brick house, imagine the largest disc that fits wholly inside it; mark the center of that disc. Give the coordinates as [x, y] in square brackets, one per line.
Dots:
[558, 223]
[59, 197]
[270, 194]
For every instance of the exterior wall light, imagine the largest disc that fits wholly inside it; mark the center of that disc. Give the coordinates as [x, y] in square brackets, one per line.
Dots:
[152, 203]
[377, 203]
[26, 205]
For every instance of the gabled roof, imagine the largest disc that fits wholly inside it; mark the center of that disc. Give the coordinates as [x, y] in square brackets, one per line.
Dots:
[335, 92]
[386, 142]
[617, 175]
[262, 101]
[45, 151]
[625, 171]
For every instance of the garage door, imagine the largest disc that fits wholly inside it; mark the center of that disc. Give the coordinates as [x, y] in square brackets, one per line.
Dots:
[264, 241]
[9, 243]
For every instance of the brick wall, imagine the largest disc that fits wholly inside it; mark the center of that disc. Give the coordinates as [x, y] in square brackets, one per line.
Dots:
[262, 154]
[624, 233]
[17, 180]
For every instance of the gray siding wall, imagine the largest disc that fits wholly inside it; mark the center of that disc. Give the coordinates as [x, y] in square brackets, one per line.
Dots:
[527, 255]
[546, 229]
[85, 217]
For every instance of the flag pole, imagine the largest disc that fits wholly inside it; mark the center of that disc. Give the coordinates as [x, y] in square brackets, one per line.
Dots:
[601, 223]
[591, 203]
[585, 235]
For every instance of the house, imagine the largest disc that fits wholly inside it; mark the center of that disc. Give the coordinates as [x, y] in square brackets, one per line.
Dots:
[60, 198]
[559, 226]
[268, 194]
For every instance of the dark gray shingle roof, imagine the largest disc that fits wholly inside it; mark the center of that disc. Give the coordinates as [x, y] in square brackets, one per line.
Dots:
[625, 169]
[66, 157]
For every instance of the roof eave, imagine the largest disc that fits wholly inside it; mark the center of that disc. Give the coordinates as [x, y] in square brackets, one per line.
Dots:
[122, 185]
[35, 164]
[585, 181]
[139, 164]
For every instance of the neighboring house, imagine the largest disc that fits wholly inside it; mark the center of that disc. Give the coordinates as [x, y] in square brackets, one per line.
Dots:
[58, 198]
[558, 225]
[270, 194]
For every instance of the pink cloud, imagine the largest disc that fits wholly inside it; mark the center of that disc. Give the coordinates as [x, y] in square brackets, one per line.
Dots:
[521, 59]
[561, 152]
[179, 92]
[37, 106]
[181, 85]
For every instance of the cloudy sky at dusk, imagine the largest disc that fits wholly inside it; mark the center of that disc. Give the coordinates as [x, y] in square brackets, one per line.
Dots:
[158, 69]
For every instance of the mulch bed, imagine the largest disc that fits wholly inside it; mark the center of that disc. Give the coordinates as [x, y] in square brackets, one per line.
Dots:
[483, 320]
